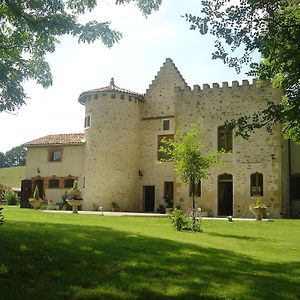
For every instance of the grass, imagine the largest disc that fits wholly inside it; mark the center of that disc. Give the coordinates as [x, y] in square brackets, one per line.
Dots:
[64, 256]
[12, 176]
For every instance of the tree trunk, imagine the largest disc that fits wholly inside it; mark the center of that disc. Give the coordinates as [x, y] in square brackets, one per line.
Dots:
[193, 200]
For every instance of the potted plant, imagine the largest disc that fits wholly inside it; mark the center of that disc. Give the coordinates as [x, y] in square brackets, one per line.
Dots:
[169, 204]
[115, 206]
[35, 201]
[258, 209]
[74, 197]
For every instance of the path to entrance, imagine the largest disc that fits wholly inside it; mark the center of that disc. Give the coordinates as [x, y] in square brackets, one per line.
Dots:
[132, 214]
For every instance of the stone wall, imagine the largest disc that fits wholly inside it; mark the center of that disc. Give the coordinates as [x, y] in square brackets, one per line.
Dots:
[111, 152]
[261, 153]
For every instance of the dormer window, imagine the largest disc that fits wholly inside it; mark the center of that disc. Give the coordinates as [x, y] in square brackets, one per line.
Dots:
[166, 124]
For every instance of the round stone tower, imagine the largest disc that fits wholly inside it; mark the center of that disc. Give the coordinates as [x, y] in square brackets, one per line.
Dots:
[111, 166]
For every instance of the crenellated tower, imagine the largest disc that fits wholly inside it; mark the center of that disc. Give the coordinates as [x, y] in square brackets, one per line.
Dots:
[111, 150]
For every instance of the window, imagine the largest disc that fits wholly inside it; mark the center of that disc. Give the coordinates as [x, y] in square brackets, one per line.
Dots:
[166, 124]
[197, 189]
[113, 96]
[87, 121]
[122, 97]
[161, 143]
[53, 183]
[55, 155]
[68, 183]
[224, 139]
[256, 184]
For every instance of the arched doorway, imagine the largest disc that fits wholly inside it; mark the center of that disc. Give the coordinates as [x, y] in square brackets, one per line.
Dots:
[225, 195]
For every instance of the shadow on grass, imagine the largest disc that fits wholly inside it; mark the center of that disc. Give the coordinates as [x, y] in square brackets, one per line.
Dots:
[53, 261]
[235, 236]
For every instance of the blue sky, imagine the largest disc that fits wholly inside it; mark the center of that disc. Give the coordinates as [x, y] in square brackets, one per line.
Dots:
[133, 62]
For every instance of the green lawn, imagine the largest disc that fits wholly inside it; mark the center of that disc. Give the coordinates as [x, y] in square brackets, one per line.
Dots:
[12, 176]
[64, 256]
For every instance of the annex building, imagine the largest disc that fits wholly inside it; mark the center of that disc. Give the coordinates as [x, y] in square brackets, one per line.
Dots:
[115, 159]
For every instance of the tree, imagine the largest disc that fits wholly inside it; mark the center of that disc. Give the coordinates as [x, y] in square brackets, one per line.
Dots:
[191, 164]
[2, 160]
[15, 157]
[30, 29]
[272, 28]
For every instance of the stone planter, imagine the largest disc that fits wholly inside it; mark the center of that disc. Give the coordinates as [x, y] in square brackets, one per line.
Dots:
[74, 203]
[259, 212]
[35, 203]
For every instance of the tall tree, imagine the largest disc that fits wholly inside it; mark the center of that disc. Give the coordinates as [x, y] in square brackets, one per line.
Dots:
[2, 160]
[30, 28]
[191, 162]
[15, 157]
[273, 28]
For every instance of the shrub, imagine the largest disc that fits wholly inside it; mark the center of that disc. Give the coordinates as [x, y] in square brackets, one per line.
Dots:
[182, 222]
[10, 197]
[1, 216]
[178, 220]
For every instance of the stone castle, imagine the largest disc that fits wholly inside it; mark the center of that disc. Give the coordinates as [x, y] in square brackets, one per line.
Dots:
[115, 159]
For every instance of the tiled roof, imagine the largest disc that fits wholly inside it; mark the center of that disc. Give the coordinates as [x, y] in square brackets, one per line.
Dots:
[57, 139]
[110, 88]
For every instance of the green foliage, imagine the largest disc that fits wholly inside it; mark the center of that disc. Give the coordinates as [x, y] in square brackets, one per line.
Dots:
[11, 197]
[273, 29]
[30, 29]
[36, 194]
[1, 216]
[15, 157]
[187, 153]
[179, 220]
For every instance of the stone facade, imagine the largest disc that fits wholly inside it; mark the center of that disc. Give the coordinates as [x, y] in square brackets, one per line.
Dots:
[117, 162]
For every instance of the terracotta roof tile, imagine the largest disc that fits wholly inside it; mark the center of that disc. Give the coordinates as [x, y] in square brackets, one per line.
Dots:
[57, 139]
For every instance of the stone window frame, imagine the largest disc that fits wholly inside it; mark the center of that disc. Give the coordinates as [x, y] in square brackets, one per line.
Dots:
[225, 144]
[55, 154]
[87, 121]
[256, 184]
[166, 122]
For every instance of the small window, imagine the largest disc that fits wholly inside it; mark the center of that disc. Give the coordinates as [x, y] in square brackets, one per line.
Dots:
[87, 121]
[166, 124]
[55, 155]
[224, 139]
[122, 97]
[113, 96]
[53, 183]
[161, 138]
[256, 184]
[68, 183]
[197, 190]
[129, 98]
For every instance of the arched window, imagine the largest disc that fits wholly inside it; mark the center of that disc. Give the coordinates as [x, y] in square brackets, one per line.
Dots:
[256, 184]
[224, 139]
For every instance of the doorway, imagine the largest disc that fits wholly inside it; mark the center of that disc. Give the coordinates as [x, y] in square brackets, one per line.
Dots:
[168, 193]
[225, 195]
[149, 198]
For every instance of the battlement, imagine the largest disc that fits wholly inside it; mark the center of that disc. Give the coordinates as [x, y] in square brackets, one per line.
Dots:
[225, 84]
